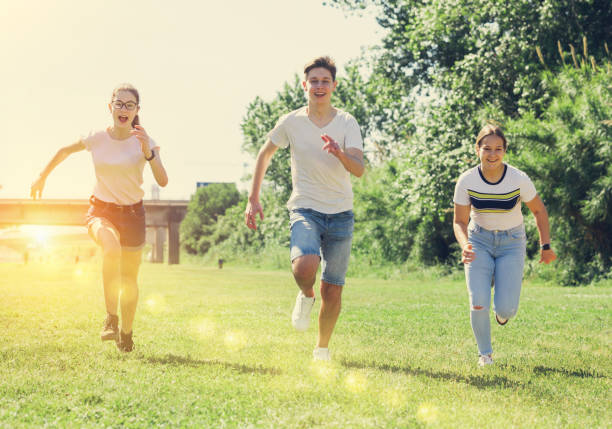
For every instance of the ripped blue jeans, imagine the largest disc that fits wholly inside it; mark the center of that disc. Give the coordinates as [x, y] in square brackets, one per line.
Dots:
[500, 257]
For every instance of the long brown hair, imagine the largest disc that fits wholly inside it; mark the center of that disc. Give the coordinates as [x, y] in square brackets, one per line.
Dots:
[134, 91]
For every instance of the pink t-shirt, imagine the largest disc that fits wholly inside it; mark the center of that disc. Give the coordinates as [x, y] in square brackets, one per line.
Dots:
[119, 165]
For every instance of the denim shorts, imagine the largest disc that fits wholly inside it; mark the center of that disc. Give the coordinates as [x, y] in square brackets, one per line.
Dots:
[327, 235]
[129, 221]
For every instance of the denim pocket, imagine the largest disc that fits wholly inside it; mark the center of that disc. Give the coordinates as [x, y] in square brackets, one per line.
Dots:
[294, 216]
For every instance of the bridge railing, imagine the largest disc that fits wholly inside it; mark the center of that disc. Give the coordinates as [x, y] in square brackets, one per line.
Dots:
[159, 214]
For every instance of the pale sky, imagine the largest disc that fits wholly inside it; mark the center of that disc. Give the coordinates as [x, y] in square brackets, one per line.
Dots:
[197, 65]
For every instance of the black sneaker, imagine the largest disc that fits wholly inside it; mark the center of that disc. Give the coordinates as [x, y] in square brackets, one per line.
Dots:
[110, 330]
[125, 343]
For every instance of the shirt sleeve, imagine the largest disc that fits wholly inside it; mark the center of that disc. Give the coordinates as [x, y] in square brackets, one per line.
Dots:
[88, 140]
[353, 135]
[278, 135]
[461, 196]
[528, 190]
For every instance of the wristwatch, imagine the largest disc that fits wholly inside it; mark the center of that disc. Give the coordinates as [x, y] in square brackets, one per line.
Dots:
[545, 246]
[152, 155]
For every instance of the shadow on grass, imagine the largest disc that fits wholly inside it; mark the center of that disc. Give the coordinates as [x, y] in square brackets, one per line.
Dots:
[171, 359]
[480, 381]
[580, 373]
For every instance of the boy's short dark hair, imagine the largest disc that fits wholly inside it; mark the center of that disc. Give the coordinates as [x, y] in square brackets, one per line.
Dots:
[324, 62]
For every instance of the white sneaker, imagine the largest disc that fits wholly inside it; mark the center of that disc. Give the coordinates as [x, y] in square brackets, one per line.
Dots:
[485, 360]
[301, 312]
[321, 353]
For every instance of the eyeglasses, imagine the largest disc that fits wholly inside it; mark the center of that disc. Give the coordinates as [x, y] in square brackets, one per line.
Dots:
[316, 83]
[118, 104]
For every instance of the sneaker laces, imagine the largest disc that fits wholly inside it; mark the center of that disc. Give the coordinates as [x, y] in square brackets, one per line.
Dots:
[305, 304]
[111, 322]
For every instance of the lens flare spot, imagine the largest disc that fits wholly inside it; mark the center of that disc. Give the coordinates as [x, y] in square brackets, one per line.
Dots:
[324, 372]
[427, 413]
[78, 273]
[156, 303]
[39, 234]
[235, 340]
[394, 399]
[204, 328]
[355, 382]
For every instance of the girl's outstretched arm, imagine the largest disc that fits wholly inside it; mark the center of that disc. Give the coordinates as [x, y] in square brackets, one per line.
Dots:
[37, 186]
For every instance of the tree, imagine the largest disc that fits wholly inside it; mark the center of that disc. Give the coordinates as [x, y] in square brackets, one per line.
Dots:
[461, 63]
[568, 154]
[484, 49]
[206, 205]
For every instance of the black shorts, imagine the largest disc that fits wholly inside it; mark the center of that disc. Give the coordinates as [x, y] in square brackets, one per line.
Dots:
[129, 221]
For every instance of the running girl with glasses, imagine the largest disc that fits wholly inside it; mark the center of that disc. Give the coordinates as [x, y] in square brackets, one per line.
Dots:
[116, 217]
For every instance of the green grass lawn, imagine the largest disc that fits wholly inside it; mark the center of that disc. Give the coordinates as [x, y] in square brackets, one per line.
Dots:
[215, 348]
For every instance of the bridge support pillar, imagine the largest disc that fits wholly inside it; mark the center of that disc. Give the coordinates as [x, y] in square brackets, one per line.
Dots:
[159, 237]
[173, 242]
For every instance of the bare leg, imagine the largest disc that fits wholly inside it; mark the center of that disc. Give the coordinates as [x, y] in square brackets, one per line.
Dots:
[130, 263]
[107, 237]
[304, 271]
[331, 299]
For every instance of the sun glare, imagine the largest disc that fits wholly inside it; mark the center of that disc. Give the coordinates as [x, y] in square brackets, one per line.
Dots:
[394, 398]
[324, 372]
[427, 413]
[355, 382]
[204, 328]
[235, 340]
[156, 303]
[39, 235]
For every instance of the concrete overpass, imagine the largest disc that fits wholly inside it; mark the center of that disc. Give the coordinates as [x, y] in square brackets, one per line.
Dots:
[160, 215]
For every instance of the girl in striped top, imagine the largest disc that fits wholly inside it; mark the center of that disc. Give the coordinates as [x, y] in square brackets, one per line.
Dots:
[488, 225]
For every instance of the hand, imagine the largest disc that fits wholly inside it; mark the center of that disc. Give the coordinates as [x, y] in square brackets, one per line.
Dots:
[467, 255]
[547, 256]
[143, 137]
[331, 146]
[37, 187]
[252, 209]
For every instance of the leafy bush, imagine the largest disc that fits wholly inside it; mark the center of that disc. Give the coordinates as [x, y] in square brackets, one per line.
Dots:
[568, 154]
[199, 230]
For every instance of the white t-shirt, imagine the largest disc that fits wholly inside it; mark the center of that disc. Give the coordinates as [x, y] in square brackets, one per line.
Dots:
[119, 165]
[495, 206]
[320, 181]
